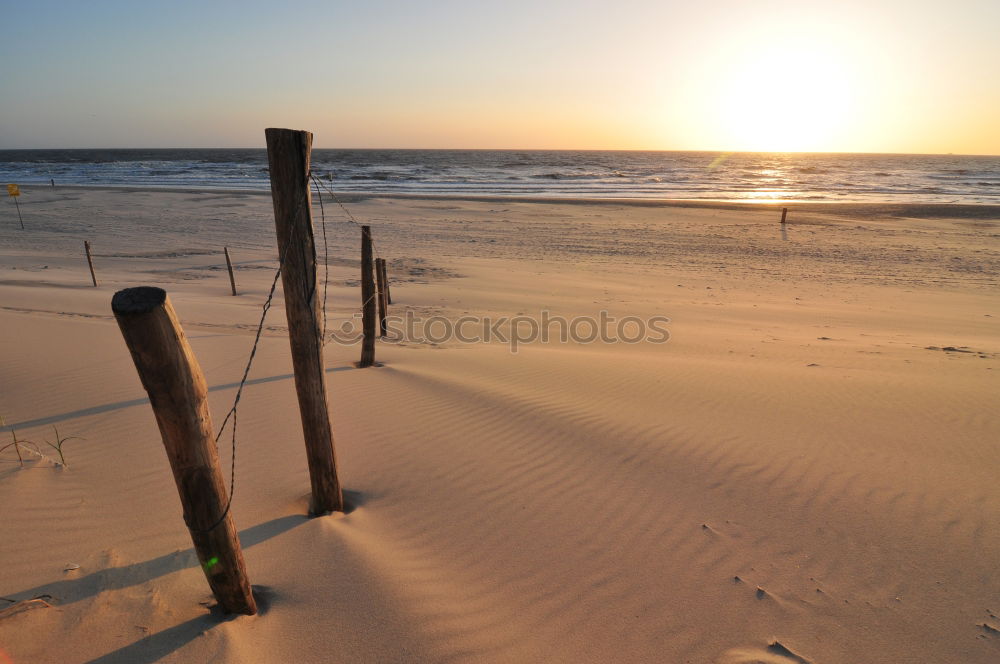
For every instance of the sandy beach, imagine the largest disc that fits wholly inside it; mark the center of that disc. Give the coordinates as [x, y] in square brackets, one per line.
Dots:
[805, 472]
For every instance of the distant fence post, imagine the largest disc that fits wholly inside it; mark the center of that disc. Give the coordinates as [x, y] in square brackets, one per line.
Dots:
[367, 300]
[178, 394]
[90, 262]
[229, 266]
[784, 212]
[383, 301]
[385, 278]
[13, 191]
[288, 155]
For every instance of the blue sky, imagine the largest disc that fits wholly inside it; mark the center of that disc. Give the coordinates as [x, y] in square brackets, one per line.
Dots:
[896, 76]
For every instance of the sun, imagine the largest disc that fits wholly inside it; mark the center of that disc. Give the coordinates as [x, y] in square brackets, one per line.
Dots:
[793, 97]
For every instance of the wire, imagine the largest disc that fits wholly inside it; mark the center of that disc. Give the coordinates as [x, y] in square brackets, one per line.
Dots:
[246, 373]
[233, 411]
[350, 217]
[326, 254]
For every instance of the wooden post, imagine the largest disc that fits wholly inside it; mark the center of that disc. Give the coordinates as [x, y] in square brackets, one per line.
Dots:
[383, 302]
[288, 154]
[90, 262]
[367, 300]
[53, 181]
[784, 211]
[385, 278]
[178, 394]
[18, 206]
[229, 265]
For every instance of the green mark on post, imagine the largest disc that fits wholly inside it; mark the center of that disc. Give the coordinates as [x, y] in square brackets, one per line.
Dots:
[210, 563]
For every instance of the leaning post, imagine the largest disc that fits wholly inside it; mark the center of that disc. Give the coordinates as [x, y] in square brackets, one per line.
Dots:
[383, 295]
[367, 300]
[784, 213]
[90, 261]
[288, 155]
[178, 394]
[229, 266]
[385, 278]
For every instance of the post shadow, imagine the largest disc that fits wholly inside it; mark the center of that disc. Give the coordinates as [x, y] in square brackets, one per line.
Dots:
[156, 646]
[130, 403]
[68, 591]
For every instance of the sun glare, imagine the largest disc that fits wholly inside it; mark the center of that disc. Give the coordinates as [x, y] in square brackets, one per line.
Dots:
[787, 99]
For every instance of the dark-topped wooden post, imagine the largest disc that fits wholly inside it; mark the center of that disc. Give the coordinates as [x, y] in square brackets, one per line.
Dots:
[383, 295]
[18, 206]
[178, 394]
[229, 266]
[784, 212]
[385, 278]
[90, 262]
[288, 153]
[367, 300]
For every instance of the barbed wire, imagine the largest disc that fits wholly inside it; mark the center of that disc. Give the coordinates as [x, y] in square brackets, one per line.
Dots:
[233, 411]
[326, 254]
[336, 199]
[350, 217]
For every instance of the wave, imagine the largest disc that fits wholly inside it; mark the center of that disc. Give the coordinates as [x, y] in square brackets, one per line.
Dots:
[883, 178]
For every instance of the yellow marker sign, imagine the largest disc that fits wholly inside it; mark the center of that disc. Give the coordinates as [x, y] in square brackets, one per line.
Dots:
[13, 190]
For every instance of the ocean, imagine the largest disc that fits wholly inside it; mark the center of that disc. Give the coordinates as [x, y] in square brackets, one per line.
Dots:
[542, 173]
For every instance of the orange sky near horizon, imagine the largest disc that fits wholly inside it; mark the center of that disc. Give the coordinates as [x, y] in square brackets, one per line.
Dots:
[729, 75]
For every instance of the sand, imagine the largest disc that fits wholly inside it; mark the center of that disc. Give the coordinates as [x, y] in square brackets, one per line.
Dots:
[805, 472]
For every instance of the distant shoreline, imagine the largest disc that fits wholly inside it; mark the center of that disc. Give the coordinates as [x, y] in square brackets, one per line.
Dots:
[862, 209]
[262, 149]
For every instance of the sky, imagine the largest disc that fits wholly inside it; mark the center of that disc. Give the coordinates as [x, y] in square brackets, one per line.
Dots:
[910, 76]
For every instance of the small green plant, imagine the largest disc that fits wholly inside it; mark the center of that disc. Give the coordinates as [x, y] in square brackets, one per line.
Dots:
[18, 443]
[58, 445]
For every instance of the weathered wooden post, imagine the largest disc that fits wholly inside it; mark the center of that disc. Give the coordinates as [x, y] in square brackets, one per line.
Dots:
[784, 212]
[288, 154]
[385, 278]
[90, 262]
[178, 394]
[383, 301]
[367, 300]
[229, 266]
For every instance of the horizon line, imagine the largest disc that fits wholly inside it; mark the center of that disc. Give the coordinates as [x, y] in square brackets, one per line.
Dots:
[709, 151]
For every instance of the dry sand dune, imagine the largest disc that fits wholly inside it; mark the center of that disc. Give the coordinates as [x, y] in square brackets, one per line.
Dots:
[805, 472]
